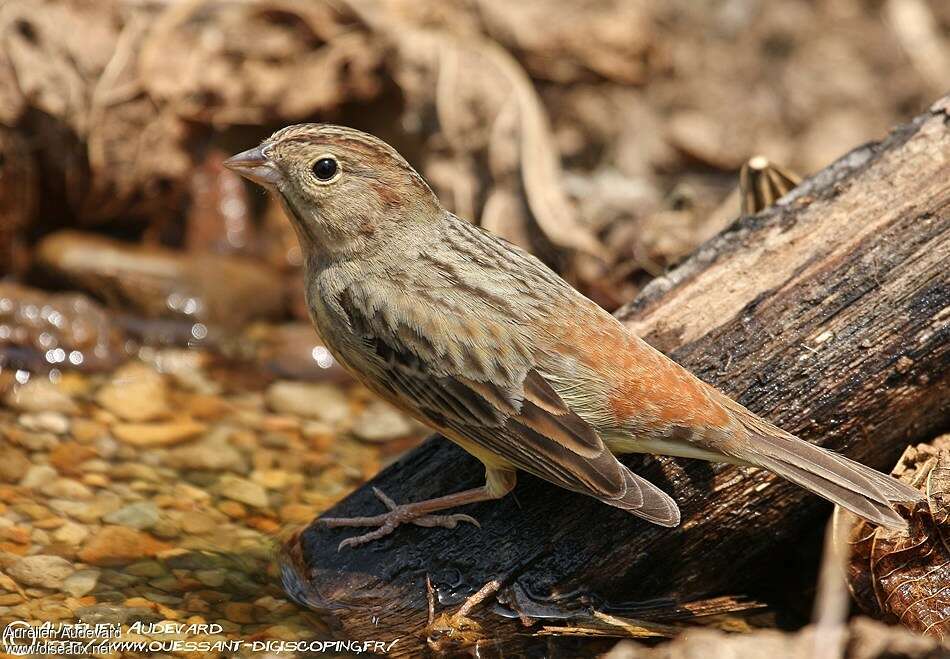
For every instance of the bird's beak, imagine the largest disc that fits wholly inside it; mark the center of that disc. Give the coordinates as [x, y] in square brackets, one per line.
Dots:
[254, 164]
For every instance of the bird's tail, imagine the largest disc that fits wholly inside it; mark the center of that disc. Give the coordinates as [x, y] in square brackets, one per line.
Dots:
[860, 489]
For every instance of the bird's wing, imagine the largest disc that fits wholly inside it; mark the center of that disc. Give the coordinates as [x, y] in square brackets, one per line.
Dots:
[508, 409]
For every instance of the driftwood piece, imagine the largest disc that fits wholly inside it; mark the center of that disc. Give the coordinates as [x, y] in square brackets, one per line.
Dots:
[828, 314]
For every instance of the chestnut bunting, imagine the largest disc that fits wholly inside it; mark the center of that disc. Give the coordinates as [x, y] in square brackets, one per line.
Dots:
[483, 342]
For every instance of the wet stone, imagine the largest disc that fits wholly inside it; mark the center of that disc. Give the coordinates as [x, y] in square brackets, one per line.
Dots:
[158, 434]
[157, 490]
[119, 580]
[40, 395]
[80, 583]
[114, 614]
[115, 545]
[380, 422]
[198, 523]
[68, 457]
[318, 401]
[37, 440]
[14, 464]
[166, 529]
[71, 534]
[67, 488]
[38, 476]
[53, 422]
[147, 569]
[140, 515]
[242, 491]
[211, 578]
[41, 570]
[135, 393]
[239, 612]
[211, 454]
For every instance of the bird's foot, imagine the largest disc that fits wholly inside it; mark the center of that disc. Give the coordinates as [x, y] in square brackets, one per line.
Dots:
[387, 522]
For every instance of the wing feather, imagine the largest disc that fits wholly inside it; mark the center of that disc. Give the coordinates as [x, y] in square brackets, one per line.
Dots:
[520, 418]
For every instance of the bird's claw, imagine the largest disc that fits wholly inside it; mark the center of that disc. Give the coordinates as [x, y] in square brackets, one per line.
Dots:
[388, 522]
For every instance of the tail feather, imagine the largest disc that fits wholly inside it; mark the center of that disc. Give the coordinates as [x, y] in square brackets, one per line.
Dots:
[849, 484]
[644, 499]
[896, 491]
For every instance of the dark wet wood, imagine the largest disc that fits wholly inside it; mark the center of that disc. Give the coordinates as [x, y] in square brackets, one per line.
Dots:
[827, 314]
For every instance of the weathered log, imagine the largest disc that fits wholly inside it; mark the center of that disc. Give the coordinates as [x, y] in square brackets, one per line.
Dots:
[828, 314]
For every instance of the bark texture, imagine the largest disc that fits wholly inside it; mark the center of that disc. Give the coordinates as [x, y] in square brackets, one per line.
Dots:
[828, 314]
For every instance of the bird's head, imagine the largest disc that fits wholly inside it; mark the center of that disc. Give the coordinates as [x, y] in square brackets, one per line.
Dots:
[346, 192]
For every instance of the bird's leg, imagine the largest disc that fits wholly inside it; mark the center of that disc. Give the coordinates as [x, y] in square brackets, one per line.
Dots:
[498, 483]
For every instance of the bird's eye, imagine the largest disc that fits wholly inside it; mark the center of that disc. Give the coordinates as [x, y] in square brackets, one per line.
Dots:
[324, 168]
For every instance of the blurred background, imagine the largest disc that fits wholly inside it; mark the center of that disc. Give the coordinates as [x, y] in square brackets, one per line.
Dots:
[167, 408]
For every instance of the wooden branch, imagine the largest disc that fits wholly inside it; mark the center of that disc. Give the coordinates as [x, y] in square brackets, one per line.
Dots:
[827, 314]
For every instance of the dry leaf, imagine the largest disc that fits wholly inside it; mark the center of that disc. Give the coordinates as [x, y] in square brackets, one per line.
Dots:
[904, 576]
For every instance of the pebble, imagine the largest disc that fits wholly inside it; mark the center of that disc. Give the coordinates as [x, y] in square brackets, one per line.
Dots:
[17, 534]
[38, 476]
[316, 401]
[86, 431]
[239, 612]
[156, 502]
[88, 512]
[8, 584]
[211, 454]
[198, 523]
[135, 393]
[68, 457]
[212, 578]
[53, 422]
[112, 614]
[189, 492]
[272, 479]
[14, 464]
[158, 434]
[146, 569]
[381, 422]
[41, 570]
[115, 545]
[232, 509]
[66, 488]
[139, 515]
[71, 534]
[166, 529]
[34, 440]
[297, 513]
[40, 395]
[81, 583]
[242, 491]
[187, 368]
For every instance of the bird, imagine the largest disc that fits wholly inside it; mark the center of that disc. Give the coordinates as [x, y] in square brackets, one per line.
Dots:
[484, 343]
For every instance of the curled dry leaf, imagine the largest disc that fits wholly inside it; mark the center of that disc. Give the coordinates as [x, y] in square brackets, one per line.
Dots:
[609, 40]
[119, 95]
[18, 202]
[904, 576]
[304, 57]
[488, 112]
[580, 41]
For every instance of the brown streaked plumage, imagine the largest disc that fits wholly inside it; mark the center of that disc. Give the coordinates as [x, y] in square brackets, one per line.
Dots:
[484, 343]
